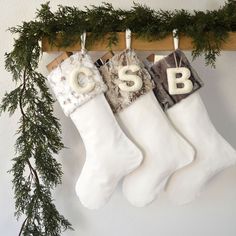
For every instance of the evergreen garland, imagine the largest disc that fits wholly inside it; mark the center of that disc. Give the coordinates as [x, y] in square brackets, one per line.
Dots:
[35, 170]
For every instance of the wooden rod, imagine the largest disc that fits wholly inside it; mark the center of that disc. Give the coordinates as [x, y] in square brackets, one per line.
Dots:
[165, 44]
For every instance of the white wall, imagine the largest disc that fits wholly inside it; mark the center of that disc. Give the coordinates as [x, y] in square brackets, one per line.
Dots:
[213, 214]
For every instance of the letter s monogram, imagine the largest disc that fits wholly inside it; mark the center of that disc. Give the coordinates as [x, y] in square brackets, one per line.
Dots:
[137, 81]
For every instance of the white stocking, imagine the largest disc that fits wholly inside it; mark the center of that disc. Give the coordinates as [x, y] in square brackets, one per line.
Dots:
[189, 115]
[110, 155]
[143, 120]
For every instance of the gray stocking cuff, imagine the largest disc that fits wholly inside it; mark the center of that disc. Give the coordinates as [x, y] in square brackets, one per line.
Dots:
[117, 98]
[159, 75]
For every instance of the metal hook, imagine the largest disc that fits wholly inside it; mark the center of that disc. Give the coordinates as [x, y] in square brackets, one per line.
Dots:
[128, 38]
[83, 40]
[176, 39]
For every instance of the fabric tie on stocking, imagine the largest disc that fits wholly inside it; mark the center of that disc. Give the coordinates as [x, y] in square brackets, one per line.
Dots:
[110, 155]
[189, 115]
[141, 117]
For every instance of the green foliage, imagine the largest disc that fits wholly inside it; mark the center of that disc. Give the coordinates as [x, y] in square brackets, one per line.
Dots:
[208, 30]
[35, 170]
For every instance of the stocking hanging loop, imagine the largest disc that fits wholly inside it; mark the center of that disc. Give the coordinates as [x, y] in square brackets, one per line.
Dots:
[83, 40]
[128, 38]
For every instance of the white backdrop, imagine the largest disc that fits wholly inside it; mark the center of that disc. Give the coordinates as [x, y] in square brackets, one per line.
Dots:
[213, 214]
